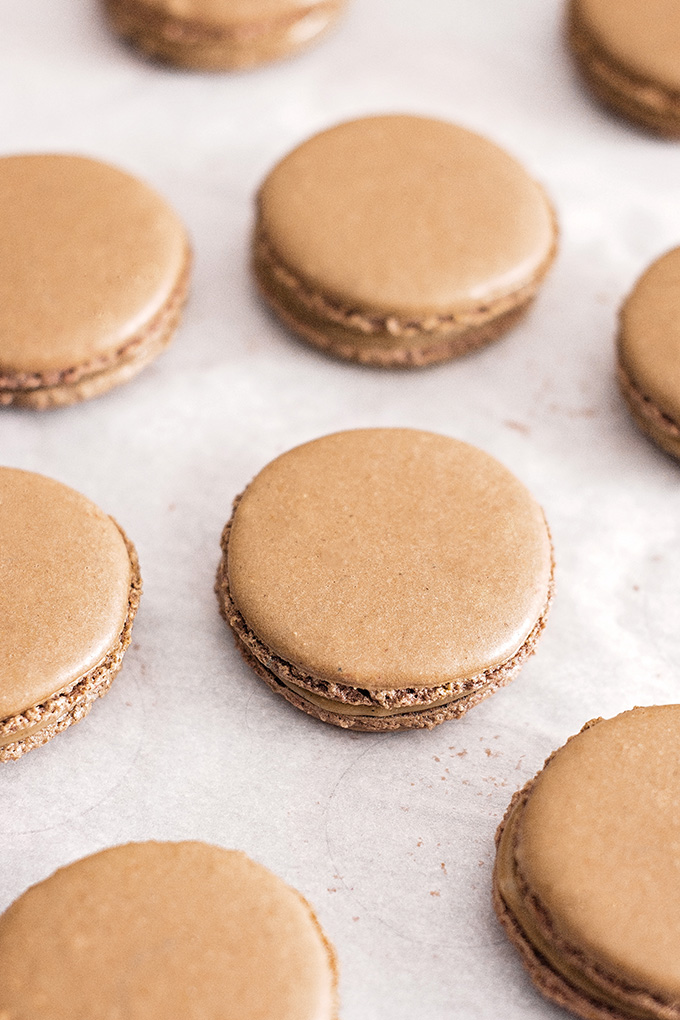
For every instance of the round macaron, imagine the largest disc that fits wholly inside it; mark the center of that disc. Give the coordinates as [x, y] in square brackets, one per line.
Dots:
[215, 35]
[149, 931]
[112, 262]
[586, 878]
[401, 240]
[649, 352]
[629, 53]
[385, 579]
[69, 591]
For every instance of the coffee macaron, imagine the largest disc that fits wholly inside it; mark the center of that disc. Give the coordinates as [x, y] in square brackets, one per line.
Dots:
[214, 35]
[629, 54]
[149, 931]
[385, 579]
[401, 240]
[586, 877]
[69, 591]
[94, 270]
[649, 352]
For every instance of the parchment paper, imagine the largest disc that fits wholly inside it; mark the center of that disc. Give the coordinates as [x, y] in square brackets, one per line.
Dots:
[389, 836]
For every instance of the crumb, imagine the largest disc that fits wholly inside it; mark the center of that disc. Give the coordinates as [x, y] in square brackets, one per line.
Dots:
[518, 426]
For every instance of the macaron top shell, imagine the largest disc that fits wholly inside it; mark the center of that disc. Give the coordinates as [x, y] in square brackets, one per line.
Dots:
[598, 846]
[649, 339]
[389, 558]
[406, 215]
[64, 588]
[88, 257]
[150, 931]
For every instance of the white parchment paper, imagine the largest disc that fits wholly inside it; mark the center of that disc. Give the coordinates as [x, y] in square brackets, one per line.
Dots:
[390, 836]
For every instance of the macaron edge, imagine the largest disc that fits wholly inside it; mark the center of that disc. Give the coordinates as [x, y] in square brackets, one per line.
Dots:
[641, 100]
[285, 679]
[45, 391]
[542, 961]
[75, 701]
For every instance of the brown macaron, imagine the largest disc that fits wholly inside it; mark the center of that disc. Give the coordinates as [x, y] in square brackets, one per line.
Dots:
[586, 877]
[629, 53]
[94, 270]
[385, 579]
[154, 931]
[222, 35]
[69, 591]
[649, 352]
[401, 240]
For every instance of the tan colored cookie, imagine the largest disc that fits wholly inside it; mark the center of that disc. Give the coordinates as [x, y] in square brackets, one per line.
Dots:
[112, 260]
[400, 240]
[586, 878]
[385, 579]
[649, 352]
[150, 931]
[629, 52]
[221, 35]
[69, 591]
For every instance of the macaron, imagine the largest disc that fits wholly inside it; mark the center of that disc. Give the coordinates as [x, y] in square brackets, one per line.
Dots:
[401, 240]
[629, 54]
[94, 270]
[586, 877]
[214, 35]
[69, 591]
[649, 352]
[385, 579]
[149, 931]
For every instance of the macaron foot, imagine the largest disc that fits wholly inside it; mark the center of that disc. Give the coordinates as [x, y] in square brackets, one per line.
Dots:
[420, 347]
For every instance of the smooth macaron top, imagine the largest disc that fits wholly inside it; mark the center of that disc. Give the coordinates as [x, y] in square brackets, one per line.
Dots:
[406, 215]
[149, 931]
[642, 36]
[598, 847]
[64, 588]
[389, 558]
[228, 12]
[649, 338]
[88, 257]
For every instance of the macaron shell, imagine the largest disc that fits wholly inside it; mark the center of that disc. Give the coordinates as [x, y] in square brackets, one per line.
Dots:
[107, 250]
[643, 37]
[649, 340]
[406, 215]
[150, 931]
[389, 558]
[65, 577]
[231, 12]
[598, 843]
